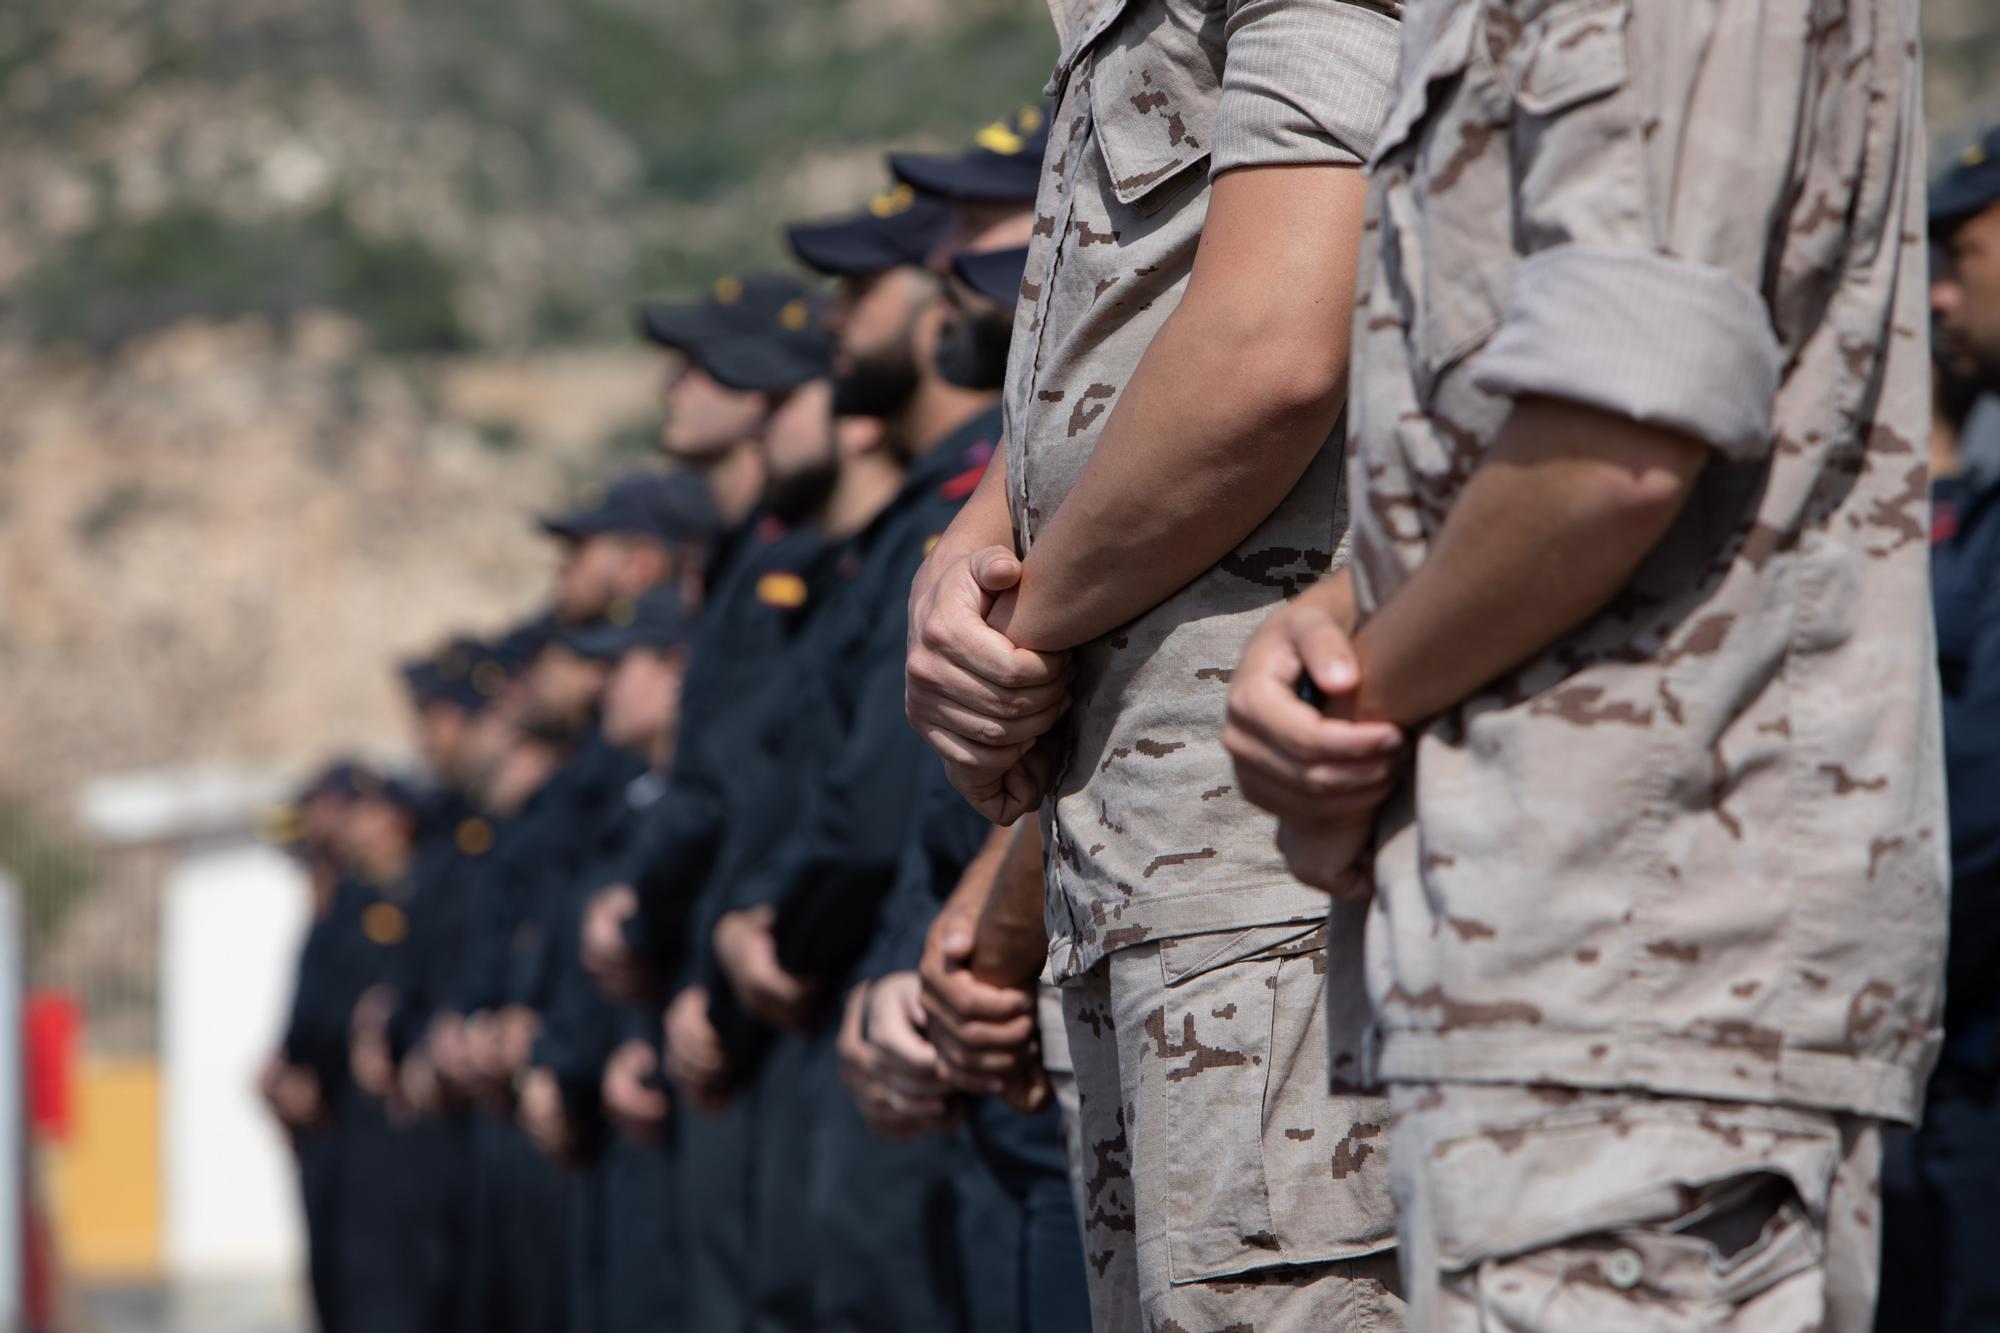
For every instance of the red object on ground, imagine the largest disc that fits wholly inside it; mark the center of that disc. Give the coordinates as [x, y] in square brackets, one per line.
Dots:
[53, 1020]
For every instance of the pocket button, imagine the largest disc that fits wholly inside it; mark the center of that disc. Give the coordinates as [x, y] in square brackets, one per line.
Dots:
[1623, 1269]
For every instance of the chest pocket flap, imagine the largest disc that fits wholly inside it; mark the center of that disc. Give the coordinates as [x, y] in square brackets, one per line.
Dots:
[1431, 54]
[1155, 82]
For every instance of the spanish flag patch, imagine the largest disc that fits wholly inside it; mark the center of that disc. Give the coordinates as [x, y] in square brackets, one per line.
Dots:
[781, 589]
[964, 484]
[475, 836]
[385, 924]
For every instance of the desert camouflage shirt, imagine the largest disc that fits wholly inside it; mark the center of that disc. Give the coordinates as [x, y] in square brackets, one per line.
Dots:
[1146, 834]
[1697, 845]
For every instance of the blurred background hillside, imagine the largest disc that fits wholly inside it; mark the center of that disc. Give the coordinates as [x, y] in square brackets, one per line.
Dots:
[307, 305]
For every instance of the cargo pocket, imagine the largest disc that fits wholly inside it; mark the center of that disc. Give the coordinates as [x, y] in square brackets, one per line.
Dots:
[1441, 171]
[1570, 52]
[1210, 1043]
[1155, 84]
[1590, 1211]
[1579, 166]
[1748, 1242]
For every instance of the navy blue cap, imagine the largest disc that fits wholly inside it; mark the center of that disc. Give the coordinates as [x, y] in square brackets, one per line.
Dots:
[1003, 165]
[446, 676]
[898, 227]
[513, 652]
[340, 777]
[671, 507]
[657, 619]
[763, 333]
[792, 348]
[994, 274]
[734, 305]
[359, 782]
[1969, 186]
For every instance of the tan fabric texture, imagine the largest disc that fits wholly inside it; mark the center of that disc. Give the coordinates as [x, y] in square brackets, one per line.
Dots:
[1697, 845]
[1147, 836]
[1061, 1069]
[1222, 1186]
[1555, 1210]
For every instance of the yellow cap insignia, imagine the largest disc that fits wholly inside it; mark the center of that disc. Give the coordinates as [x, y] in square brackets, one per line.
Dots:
[782, 590]
[729, 290]
[889, 203]
[385, 924]
[475, 836]
[998, 138]
[1974, 155]
[621, 612]
[1029, 119]
[287, 823]
[794, 315]
[930, 542]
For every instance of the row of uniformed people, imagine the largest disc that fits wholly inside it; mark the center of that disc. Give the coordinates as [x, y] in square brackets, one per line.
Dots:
[615, 1026]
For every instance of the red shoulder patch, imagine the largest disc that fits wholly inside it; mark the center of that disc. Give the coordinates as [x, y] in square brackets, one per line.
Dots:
[770, 528]
[1944, 522]
[964, 484]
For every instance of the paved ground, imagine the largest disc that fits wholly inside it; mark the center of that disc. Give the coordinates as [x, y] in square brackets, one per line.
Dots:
[237, 1307]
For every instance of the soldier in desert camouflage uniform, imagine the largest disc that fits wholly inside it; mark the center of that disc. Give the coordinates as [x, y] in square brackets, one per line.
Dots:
[1641, 391]
[1173, 473]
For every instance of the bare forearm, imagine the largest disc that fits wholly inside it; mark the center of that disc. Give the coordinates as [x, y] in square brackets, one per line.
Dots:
[1181, 479]
[980, 877]
[1550, 529]
[1232, 401]
[1012, 938]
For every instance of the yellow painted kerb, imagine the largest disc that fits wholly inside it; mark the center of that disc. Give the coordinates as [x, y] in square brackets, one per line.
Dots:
[104, 1183]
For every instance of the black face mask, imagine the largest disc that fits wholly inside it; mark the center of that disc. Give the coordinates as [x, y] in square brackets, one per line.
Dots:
[972, 351]
[796, 497]
[879, 388]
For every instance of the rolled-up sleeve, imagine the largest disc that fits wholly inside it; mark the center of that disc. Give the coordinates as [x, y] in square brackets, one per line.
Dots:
[1304, 82]
[1665, 341]
[1653, 169]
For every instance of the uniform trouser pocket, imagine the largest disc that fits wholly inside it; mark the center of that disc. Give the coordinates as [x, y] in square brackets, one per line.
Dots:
[1623, 1211]
[1259, 1165]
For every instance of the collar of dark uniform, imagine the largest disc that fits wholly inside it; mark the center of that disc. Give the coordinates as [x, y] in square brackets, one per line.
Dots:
[1962, 505]
[948, 471]
[441, 813]
[966, 450]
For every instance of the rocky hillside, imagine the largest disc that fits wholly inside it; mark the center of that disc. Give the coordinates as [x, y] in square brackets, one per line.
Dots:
[505, 172]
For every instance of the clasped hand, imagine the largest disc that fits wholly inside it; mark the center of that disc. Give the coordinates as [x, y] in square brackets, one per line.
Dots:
[1322, 774]
[984, 704]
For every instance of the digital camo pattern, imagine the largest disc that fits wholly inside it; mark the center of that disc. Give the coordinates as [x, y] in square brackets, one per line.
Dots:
[1221, 1187]
[1147, 836]
[1696, 846]
[1554, 1210]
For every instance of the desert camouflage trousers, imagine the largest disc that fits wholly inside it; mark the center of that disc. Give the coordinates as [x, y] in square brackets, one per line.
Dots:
[1554, 1210]
[1222, 1187]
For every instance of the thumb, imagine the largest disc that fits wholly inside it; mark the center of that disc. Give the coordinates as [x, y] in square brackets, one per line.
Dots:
[995, 568]
[1327, 652]
[956, 945]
